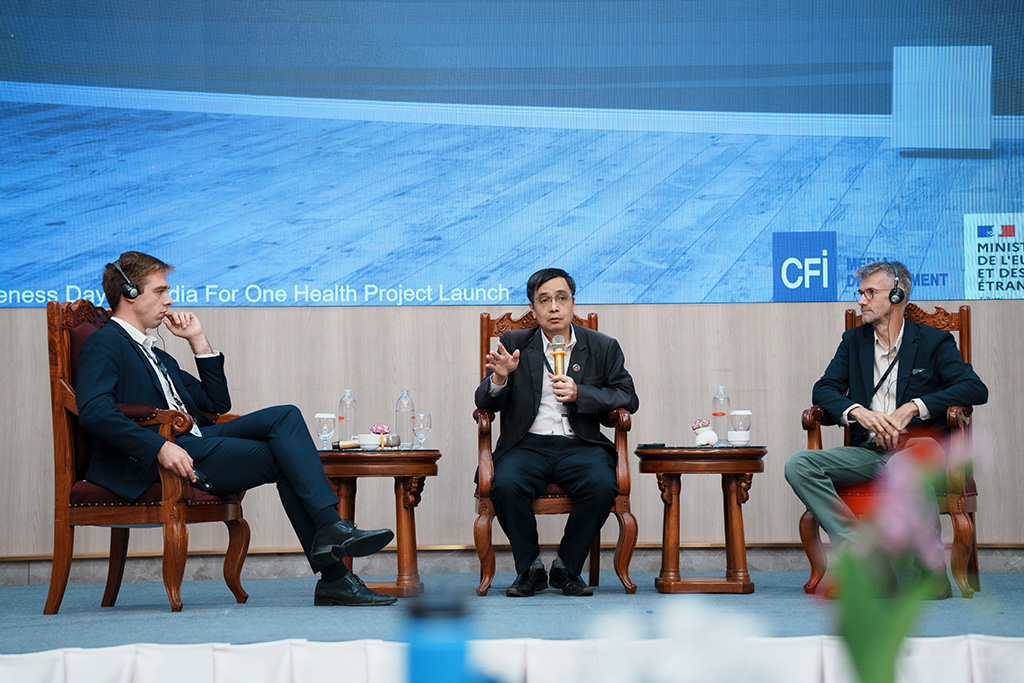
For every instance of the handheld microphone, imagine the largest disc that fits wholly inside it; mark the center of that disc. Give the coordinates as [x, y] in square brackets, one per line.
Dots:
[559, 353]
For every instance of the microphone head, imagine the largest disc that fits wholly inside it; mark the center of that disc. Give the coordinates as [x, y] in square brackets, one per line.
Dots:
[558, 341]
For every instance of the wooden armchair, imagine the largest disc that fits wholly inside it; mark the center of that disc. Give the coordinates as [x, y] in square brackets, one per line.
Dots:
[959, 500]
[554, 500]
[172, 503]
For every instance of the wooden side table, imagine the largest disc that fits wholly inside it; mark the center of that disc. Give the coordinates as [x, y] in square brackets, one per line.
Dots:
[409, 468]
[737, 465]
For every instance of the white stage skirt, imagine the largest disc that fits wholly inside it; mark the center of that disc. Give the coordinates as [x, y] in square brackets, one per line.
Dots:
[810, 659]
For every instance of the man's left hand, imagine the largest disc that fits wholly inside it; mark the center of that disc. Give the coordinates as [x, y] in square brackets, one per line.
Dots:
[564, 386]
[904, 414]
[187, 326]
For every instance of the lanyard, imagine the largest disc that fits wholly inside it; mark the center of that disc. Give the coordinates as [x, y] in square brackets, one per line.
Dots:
[887, 371]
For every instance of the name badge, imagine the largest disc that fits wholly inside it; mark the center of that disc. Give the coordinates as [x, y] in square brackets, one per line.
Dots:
[566, 426]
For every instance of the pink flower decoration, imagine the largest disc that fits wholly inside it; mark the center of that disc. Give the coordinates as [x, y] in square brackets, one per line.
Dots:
[380, 428]
[904, 520]
[700, 423]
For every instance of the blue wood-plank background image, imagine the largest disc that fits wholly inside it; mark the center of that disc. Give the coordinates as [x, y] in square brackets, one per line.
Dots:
[277, 210]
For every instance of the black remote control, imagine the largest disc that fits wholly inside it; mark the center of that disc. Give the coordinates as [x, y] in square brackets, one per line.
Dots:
[202, 481]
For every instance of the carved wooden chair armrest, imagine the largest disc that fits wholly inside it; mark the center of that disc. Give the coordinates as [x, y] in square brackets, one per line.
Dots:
[174, 488]
[959, 474]
[958, 417]
[622, 421]
[812, 420]
[485, 466]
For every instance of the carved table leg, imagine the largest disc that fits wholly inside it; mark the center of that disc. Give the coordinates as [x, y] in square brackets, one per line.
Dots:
[345, 489]
[408, 491]
[734, 494]
[669, 486]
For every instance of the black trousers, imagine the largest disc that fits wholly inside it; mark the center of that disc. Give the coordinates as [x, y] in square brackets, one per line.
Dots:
[271, 445]
[584, 471]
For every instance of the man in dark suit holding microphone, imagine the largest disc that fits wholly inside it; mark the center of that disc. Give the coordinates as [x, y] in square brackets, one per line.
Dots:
[552, 385]
[889, 378]
[119, 364]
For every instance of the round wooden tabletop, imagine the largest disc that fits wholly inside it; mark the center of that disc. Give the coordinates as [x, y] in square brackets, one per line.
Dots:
[381, 462]
[709, 459]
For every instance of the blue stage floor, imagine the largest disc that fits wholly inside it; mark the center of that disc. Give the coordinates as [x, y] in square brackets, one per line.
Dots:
[282, 608]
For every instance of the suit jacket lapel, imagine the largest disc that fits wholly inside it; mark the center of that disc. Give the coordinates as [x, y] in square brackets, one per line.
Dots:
[907, 354]
[532, 359]
[148, 364]
[580, 355]
[142, 356]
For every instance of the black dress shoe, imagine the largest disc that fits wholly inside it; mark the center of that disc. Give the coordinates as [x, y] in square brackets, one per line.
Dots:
[343, 539]
[569, 585]
[349, 590]
[528, 583]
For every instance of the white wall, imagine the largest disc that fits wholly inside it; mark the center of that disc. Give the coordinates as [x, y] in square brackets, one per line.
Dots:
[767, 355]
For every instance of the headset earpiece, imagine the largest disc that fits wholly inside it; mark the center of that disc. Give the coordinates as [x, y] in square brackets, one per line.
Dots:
[128, 290]
[896, 294]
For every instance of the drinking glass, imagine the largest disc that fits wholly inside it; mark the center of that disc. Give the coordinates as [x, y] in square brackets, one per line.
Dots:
[421, 427]
[739, 427]
[324, 425]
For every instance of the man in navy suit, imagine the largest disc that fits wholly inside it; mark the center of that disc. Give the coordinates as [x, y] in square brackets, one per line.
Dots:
[119, 364]
[888, 377]
[550, 431]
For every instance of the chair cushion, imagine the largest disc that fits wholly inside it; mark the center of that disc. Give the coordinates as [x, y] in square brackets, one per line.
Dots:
[85, 494]
[862, 498]
[553, 491]
[550, 491]
[79, 334]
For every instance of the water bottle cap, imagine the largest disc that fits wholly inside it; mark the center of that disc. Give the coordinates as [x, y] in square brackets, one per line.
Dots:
[439, 604]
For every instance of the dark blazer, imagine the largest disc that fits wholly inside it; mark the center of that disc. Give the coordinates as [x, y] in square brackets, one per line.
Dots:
[113, 369]
[930, 368]
[602, 385]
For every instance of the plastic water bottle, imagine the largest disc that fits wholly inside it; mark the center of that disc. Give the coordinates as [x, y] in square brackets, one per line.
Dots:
[720, 415]
[404, 410]
[347, 428]
[437, 630]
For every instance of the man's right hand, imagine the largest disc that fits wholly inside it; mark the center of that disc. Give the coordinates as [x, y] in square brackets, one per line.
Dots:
[176, 459]
[501, 363]
[887, 428]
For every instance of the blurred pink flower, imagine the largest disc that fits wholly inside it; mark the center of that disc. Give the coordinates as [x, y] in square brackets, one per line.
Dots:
[905, 519]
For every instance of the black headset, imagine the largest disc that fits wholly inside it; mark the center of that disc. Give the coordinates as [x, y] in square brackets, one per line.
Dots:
[130, 291]
[896, 294]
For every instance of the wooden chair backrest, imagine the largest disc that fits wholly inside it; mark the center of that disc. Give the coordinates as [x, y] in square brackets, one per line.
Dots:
[491, 329]
[68, 325]
[940, 318]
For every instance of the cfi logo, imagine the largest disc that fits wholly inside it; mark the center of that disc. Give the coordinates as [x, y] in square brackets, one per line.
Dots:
[802, 265]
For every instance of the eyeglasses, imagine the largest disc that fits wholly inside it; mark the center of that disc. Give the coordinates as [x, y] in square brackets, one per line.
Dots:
[546, 301]
[868, 294]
